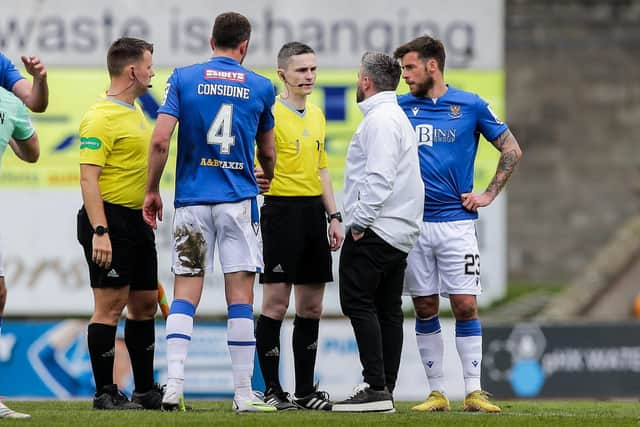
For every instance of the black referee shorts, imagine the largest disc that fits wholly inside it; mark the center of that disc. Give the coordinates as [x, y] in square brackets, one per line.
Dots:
[295, 243]
[134, 257]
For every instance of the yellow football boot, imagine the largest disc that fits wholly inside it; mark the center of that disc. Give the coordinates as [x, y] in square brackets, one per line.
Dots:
[478, 401]
[436, 402]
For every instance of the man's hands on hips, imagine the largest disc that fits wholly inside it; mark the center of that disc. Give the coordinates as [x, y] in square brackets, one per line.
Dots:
[473, 201]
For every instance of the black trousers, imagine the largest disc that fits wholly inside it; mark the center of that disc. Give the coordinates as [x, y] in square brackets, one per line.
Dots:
[371, 280]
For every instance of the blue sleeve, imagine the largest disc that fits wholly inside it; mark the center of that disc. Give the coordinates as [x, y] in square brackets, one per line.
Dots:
[171, 100]
[488, 123]
[266, 118]
[9, 74]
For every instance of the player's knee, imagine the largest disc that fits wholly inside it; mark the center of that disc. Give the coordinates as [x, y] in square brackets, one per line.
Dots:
[311, 311]
[464, 308]
[275, 309]
[425, 313]
[3, 294]
[426, 307]
[143, 310]
[275, 300]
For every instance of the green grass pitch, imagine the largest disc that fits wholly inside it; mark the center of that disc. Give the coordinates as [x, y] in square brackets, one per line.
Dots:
[218, 413]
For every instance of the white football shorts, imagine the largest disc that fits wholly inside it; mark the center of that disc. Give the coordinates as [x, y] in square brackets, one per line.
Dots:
[446, 260]
[234, 227]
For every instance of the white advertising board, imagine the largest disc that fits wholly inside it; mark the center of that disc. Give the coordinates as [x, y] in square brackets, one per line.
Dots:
[78, 33]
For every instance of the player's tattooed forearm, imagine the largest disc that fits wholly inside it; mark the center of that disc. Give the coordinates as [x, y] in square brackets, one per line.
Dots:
[502, 139]
[508, 162]
[506, 165]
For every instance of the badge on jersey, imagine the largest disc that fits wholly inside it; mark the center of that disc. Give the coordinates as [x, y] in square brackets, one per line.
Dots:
[455, 112]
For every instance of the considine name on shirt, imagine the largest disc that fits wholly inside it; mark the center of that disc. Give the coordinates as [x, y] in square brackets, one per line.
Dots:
[223, 90]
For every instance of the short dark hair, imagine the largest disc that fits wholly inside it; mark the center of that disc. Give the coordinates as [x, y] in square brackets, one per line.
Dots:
[383, 70]
[426, 47]
[124, 51]
[230, 29]
[292, 49]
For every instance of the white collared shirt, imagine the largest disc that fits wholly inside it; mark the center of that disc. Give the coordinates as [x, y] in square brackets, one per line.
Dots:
[383, 189]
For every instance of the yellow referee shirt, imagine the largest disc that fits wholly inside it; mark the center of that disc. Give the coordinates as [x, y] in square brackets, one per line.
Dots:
[116, 136]
[300, 150]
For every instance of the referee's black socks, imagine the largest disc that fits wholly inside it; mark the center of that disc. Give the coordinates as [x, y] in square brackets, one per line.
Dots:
[140, 338]
[305, 347]
[101, 340]
[268, 348]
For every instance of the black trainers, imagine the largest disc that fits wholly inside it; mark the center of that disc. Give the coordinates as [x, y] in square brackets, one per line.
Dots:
[111, 398]
[366, 399]
[151, 399]
[318, 400]
[279, 399]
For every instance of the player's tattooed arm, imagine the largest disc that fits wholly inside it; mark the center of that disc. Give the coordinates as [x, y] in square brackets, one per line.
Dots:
[510, 154]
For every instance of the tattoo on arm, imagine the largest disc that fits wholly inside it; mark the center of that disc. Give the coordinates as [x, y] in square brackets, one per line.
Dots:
[509, 157]
[501, 140]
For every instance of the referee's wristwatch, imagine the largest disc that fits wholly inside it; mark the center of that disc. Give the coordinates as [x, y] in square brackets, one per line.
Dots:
[336, 215]
[100, 230]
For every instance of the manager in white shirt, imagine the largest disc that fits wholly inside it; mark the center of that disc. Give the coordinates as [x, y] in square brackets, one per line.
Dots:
[383, 205]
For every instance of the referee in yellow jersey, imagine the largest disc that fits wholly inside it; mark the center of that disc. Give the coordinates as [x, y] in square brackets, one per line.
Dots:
[118, 245]
[297, 245]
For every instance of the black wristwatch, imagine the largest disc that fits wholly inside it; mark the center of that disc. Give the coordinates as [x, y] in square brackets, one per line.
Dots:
[101, 230]
[333, 216]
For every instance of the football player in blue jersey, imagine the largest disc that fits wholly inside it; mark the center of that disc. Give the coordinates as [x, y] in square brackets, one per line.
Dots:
[223, 110]
[446, 259]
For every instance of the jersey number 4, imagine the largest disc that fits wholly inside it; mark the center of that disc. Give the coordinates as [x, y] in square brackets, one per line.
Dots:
[220, 129]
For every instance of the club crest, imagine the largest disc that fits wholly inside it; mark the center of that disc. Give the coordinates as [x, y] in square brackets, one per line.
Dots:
[455, 112]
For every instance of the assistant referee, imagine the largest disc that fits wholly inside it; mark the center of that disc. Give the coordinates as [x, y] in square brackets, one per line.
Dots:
[118, 245]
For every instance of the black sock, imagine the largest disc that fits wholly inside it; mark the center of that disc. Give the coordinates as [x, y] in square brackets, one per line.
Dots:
[268, 348]
[101, 340]
[140, 337]
[305, 347]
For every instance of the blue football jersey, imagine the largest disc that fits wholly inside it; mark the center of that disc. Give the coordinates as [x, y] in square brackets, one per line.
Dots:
[448, 130]
[221, 106]
[9, 74]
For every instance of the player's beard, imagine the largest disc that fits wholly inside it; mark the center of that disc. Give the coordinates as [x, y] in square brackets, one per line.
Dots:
[359, 94]
[421, 89]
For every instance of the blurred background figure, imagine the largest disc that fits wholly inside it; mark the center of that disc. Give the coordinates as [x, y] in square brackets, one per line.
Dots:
[16, 130]
[34, 95]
